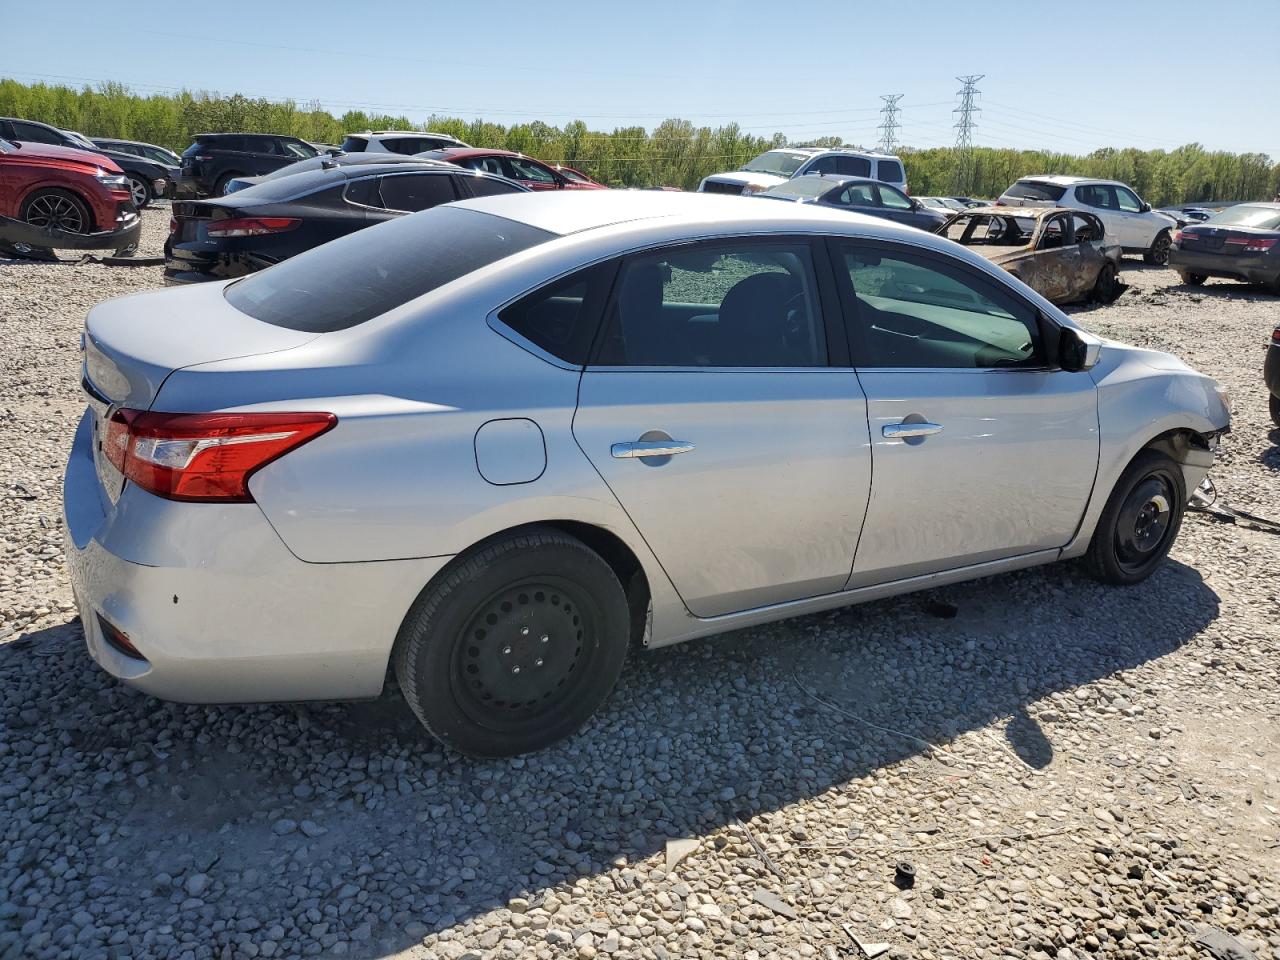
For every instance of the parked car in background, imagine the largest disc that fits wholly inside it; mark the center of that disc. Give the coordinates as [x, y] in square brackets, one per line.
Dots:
[498, 442]
[534, 174]
[1271, 375]
[215, 159]
[1137, 227]
[970, 201]
[1064, 255]
[859, 195]
[1184, 215]
[147, 151]
[54, 197]
[570, 173]
[324, 162]
[774, 167]
[246, 231]
[1240, 243]
[147, 179]
[942, 203]
[406, 142]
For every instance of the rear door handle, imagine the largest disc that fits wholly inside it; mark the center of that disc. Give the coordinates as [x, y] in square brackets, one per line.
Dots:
[901, 431]
[650, 448]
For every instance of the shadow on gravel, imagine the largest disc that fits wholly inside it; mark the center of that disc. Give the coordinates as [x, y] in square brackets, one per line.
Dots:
[392, 833]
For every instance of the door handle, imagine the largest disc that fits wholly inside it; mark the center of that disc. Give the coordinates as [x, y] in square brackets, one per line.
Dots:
[901, 431]
[650, 448]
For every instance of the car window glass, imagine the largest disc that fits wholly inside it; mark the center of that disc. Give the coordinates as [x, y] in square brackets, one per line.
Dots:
[893, 199]
[1127, 200]
[821, 165]
[485, 186]
[35, 133]
[354, 144]
[890, 170]
[913, 311]
[486, 164]
[295, 149]
[261, 145]
[717, 305]
[1036, 190]
[857, 195]
[562, 318]
[525, 169]
[404, 145]
[416, 191]
[853, 166]
[364, 192]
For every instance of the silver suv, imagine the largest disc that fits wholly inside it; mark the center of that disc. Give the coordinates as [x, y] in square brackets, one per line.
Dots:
[778, 166]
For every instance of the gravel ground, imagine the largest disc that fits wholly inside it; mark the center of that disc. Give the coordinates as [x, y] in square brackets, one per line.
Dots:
[1073, 770]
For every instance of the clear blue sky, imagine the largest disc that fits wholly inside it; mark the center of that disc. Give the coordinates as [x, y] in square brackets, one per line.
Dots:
[1070, 77]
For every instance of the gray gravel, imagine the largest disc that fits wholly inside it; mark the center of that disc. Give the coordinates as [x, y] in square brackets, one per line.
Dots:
[1073, 770]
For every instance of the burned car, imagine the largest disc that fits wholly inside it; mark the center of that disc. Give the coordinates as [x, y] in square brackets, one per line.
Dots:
[1064, 255]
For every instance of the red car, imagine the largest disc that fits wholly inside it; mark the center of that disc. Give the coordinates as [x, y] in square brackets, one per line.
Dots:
[531, 173]
[58, 197]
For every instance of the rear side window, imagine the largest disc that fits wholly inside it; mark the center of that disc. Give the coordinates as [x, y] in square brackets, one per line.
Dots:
[562, 318]
[403, 145]
[221, 143]
[354, 144]
[360, 276]
[416, 191]
[890, 171]
[1036, 190]
[853, 166]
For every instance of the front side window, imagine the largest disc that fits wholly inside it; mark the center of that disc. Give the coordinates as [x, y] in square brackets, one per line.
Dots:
[1086, 228]
[36, 133]
[894, 199]
[525, 169]
[562, 318]
[730, 304]
[485, 186]
[1127, 200]
[485, 164]
[416, 191]
[299, 151]
[1056, 233]
[915, 311]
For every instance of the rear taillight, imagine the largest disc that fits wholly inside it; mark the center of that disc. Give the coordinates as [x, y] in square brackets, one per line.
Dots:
[251, 226]
[1252, 244]
[173, 226]
[116, 638]
[1178, 235]
[204, 456]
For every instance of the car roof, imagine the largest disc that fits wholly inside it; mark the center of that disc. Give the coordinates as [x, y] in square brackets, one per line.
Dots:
[402, 133]
[1062, 180]
[575, 211]
[839, 151]
[1019, 213]
[246, 133]
[460, 152]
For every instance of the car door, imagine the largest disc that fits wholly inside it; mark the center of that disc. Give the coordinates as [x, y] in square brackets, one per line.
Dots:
[532, 174]
[897, 206]
[1057, 259]
[1138, 227]
[1100, 200]
[982, 449]
[714, 412]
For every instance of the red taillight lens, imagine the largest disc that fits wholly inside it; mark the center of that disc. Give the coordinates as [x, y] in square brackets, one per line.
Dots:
[1179, 234]
[1252, 244]
[173, 226]
[251, 226]
[116, 638]
[204, 456]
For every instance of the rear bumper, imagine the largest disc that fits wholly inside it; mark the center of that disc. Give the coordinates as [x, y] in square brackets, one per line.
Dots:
[125, 235]
[1254, 269]
[185, 266]
[220, 609]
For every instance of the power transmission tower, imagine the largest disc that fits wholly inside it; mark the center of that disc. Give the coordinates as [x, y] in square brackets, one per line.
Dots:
[964, 170]
[889, 125]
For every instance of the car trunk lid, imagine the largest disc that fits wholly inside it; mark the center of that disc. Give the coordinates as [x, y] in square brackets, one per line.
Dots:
[133, 344]
[1228, 241]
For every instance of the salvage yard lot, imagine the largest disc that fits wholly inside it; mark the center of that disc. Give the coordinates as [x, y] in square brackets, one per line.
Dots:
[1074, 770]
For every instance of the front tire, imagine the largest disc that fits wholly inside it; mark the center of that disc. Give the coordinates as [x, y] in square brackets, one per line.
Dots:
[57, 209]
[1140, 521]
[1158, 252]
[515, 645]
[141, 190]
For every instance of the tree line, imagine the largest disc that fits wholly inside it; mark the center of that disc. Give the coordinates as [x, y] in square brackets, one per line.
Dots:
[675, 153]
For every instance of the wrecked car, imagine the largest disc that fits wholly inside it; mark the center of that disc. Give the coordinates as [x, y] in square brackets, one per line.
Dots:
[58, 198]
[1064, 255]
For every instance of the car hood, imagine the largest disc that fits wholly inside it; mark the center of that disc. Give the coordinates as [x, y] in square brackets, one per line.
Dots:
[747, 176]
[37, 152]
[127, 161]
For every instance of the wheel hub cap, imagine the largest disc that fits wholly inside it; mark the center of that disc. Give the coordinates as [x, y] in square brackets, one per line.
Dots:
[1144, 520]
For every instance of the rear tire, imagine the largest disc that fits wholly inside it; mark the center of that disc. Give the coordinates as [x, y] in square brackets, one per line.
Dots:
[1275, 408]
[1158, 252]
[1192, 279]
[1140, 521]
[514, 645]
[220, 187]
[1105, 288]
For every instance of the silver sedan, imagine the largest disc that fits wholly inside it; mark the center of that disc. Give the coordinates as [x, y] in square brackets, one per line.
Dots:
[500, 443]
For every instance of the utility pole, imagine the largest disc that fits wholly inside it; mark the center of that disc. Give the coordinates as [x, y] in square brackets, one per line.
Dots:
[889, 124]
[964, 167]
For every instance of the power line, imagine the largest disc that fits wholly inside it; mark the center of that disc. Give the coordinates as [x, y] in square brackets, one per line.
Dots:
[964, 131]
[889, 125]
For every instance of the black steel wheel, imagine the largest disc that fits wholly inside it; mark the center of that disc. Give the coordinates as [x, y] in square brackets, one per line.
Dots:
[513, 646]
[57, 210]
[1140, 521]
[140, 189]
[1159, 250]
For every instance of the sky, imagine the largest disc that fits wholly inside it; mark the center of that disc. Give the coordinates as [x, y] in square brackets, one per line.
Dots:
[1069, 77]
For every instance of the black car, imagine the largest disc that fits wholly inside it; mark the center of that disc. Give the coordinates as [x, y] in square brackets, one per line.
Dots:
[147, 179]
[324, 162]
[252, 229]
[147, 151]
[1241, 243]
[215, 159]
[859, 195]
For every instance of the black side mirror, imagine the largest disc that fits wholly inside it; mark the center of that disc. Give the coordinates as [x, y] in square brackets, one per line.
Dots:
[1077, 350]
[1146, 208]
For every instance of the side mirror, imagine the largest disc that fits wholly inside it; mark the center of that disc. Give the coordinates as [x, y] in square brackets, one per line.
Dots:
[1146, 208]
[1078, 350]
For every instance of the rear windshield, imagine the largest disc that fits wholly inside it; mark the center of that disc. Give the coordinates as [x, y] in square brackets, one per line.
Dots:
[290, 181]
[354, 144]
[1035, 190]
[363, 275]
[1261, 218]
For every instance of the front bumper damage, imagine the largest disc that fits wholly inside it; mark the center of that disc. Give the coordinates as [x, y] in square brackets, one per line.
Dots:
[23, 239]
